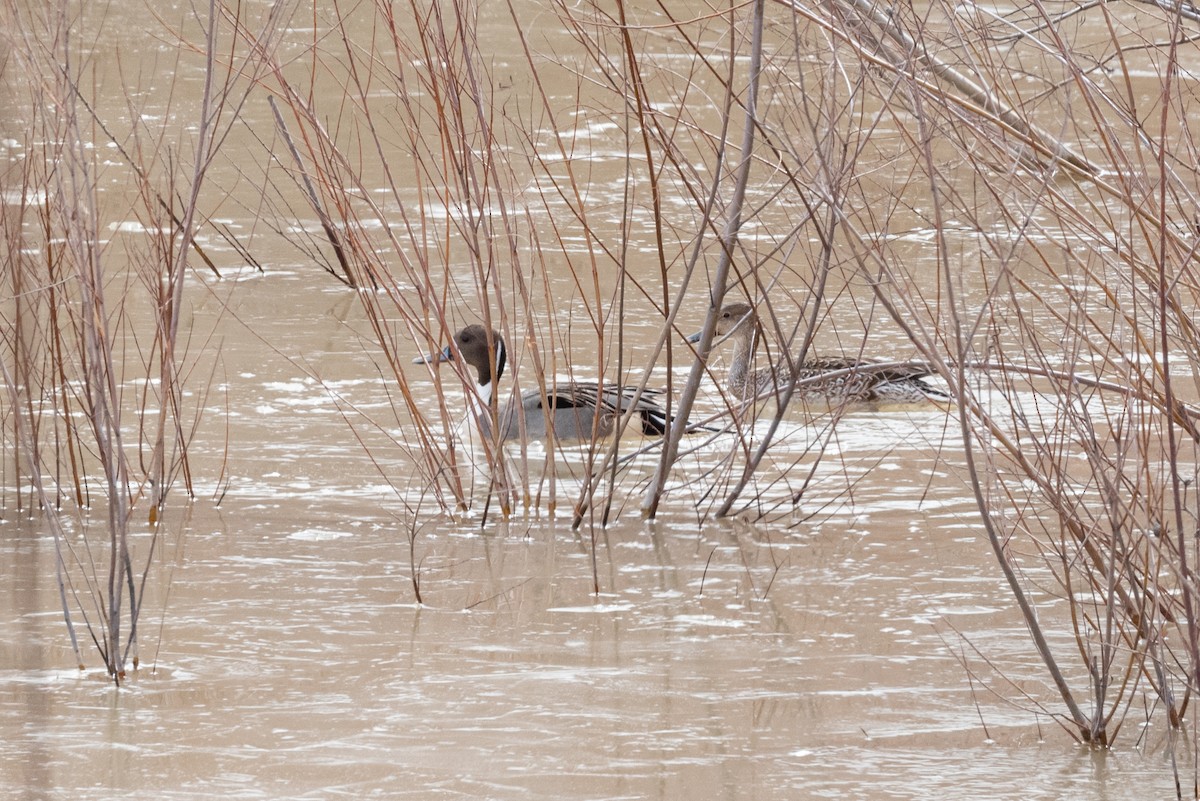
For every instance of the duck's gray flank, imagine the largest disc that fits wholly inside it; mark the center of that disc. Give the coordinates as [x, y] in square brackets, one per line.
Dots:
[576, 409]
[837, 380]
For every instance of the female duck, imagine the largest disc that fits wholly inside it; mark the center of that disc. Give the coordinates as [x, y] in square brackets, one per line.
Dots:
[574, 410]
[832, 380]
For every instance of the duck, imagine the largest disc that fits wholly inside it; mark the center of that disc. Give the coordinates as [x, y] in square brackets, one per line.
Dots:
[577, 410]
[835, 380]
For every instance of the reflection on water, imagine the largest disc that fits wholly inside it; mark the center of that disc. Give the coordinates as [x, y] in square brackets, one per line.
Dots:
[725, 661]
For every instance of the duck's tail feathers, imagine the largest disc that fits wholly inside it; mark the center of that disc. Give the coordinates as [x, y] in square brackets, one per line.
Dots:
[935, 394]
[655, 424]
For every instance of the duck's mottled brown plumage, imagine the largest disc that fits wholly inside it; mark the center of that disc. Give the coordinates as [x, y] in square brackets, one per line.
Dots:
[834, 380]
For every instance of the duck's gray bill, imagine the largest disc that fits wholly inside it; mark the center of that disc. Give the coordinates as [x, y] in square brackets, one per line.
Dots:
[443, 355]
[694, 338]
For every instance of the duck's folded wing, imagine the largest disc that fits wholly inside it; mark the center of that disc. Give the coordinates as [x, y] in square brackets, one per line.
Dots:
[611, 401]
[651, 417]
[589, 395]
[881, 372]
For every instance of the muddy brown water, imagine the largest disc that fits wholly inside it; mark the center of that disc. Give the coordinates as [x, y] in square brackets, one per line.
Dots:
[283, 655]
[836, 653]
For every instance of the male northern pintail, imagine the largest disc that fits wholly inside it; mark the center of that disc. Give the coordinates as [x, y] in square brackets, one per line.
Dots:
[576, 409]
[834, 380]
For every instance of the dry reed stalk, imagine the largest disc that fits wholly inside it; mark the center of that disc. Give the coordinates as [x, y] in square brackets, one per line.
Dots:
[1114, 578]
[653, 497]
[75, 345]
